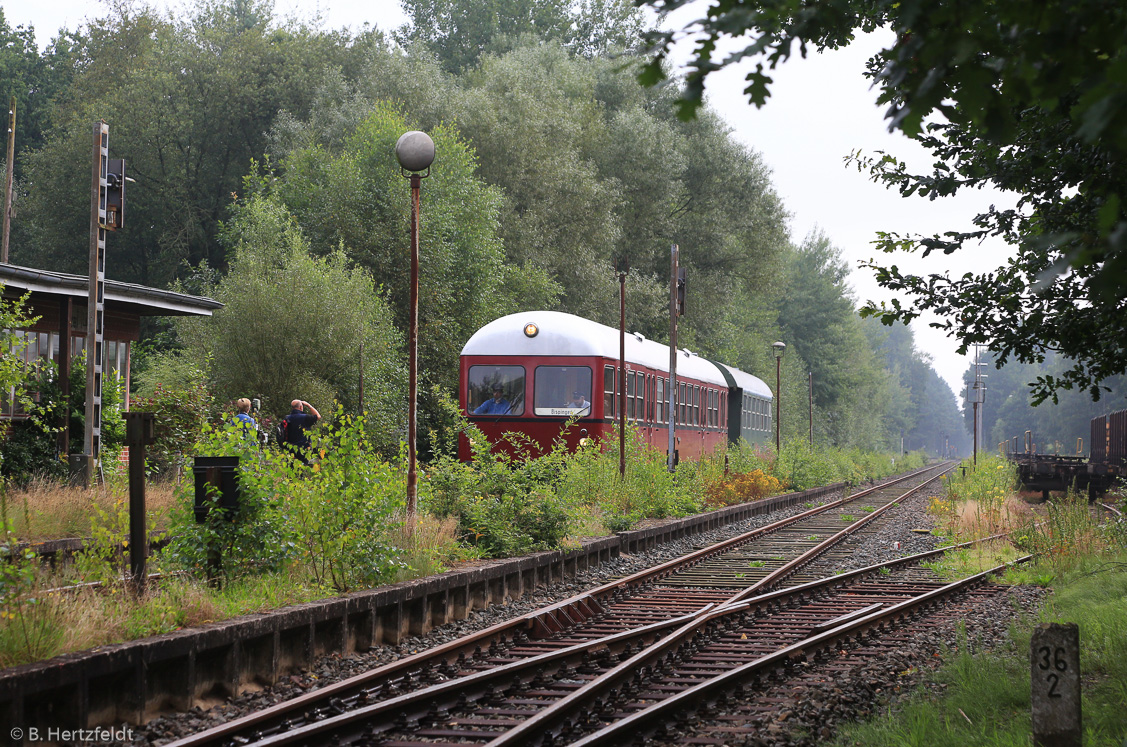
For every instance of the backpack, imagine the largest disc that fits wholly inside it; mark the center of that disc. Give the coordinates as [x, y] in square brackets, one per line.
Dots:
[281, 432]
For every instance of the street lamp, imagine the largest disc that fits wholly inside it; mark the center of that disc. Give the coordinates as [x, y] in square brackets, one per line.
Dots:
[779, 347]
[415, 152]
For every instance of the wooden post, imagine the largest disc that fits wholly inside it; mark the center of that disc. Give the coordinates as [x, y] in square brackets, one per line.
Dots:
[138, 433]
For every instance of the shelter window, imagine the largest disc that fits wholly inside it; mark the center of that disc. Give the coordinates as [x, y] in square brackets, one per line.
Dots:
[556, 388]
[480, 385]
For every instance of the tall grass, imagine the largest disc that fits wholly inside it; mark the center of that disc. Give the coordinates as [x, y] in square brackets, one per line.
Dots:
[50, 509]
[980, 501]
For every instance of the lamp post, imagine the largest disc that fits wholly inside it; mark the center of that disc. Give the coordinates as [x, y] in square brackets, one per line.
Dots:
[779, 347]
[415, 152]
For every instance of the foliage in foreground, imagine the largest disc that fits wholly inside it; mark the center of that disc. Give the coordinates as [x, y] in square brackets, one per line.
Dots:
[326, 520]
[306, 531]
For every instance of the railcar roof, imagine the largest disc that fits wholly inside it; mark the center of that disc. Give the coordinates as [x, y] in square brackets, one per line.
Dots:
[747, 382]
[569, 335]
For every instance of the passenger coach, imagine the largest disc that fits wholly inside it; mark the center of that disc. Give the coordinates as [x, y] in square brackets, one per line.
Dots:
[530, 372]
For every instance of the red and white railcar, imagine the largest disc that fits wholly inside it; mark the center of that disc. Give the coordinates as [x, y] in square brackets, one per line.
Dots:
[532, 371]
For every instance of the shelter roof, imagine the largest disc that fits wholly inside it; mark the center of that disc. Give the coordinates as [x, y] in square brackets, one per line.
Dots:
[138, 299]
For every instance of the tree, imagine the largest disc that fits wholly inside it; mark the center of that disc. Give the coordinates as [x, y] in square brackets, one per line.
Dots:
[350, 195]
[34, 79]
[297, 326]
[817, 318]
[461, 33]
[189, 103]
[1033, 98]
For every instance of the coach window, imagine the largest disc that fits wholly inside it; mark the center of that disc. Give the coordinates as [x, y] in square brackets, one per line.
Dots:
[563, 391]
[650, 397]
[629, 395]
[640, 394]
[609, 401]
[495, 390]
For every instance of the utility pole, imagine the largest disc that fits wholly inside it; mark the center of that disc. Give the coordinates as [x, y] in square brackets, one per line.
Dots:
[95, 303]
[8, 183]
[779, 348]
[622, 269]
[674, 312]
[979, 399]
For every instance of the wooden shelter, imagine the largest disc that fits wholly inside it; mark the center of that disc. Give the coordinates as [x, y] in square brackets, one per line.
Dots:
[59, 300]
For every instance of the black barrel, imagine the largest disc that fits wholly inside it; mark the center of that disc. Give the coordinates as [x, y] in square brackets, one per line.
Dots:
[220, 472]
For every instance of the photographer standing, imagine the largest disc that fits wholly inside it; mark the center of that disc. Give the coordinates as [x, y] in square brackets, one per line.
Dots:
[244, 420]
[297, 440]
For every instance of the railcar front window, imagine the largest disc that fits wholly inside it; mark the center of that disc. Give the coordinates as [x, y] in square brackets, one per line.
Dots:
[563, 391]
[495, 390]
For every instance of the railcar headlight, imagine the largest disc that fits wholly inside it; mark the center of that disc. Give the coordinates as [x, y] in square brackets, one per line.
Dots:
[531, 330]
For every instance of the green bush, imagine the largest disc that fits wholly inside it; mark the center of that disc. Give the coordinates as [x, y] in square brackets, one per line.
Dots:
[179, 416]
[504, 505]
[327, 520]
[31, 448]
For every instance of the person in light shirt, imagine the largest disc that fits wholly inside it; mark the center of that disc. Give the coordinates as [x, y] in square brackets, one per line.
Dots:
[496, 406]
[579, 402]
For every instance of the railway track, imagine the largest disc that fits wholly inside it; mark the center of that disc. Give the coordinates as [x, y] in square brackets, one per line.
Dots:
[587, 643]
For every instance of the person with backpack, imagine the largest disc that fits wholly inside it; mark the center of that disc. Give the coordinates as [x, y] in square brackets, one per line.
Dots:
[295, 425]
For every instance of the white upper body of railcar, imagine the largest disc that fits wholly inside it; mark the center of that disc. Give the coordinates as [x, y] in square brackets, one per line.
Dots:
[560, 334]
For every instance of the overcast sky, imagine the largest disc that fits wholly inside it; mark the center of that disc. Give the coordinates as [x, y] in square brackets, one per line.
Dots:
[820, 110]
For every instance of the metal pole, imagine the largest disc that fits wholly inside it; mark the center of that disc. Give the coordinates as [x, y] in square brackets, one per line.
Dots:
[91, 442]
[778, 401]
[413, 355]
[622, 374]
[672, 414]
[811, 378]
[976, 427]
[8, 187]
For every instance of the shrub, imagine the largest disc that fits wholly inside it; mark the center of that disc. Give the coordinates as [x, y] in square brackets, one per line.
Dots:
[742, 487]
[179, 416]
[327, 520]
[504, 505]
[31, 448]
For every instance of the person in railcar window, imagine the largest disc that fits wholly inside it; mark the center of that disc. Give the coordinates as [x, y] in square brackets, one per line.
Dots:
[496, 406]
[579, 402]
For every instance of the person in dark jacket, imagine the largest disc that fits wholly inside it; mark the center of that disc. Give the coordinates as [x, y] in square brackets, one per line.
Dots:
[297, 422]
